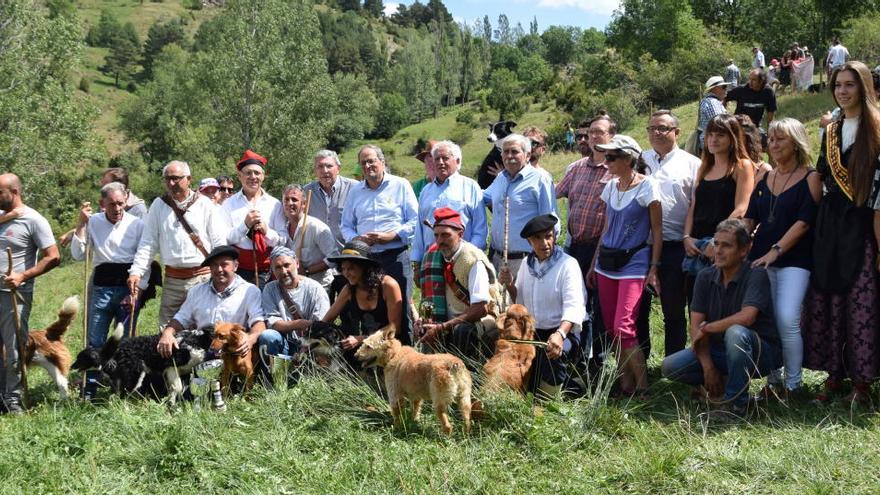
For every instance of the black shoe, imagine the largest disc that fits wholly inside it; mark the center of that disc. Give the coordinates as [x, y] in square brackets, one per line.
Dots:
[13, 405]
[90, 390]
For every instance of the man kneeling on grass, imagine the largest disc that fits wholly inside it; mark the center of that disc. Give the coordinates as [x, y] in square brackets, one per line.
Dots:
[732, 326]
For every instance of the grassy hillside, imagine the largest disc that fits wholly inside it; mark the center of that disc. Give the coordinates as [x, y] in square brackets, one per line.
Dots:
[331, 435]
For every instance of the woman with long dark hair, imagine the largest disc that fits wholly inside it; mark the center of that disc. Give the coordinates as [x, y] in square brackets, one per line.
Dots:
[841, 321]
[783, 208]
[724, 184]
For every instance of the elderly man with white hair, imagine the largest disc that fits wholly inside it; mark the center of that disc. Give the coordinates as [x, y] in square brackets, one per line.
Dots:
[183, 227]
[529, 192]
[453, 190]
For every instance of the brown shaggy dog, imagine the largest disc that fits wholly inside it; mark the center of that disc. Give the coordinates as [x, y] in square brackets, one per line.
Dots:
[512, 363]
[228, 337]
[411, 375]
[46, 349]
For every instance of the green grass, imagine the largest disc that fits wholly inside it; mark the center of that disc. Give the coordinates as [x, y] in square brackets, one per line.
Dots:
[332, 435]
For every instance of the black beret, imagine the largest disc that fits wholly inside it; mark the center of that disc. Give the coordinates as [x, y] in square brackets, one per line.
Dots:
[221, 251]
[537, 225]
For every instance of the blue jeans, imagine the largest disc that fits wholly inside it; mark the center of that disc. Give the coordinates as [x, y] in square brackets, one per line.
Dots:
[277, 343]
[104, 307]
[743, 355]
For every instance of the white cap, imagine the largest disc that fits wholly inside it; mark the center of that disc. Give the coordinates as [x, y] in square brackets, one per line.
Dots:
[715, 81]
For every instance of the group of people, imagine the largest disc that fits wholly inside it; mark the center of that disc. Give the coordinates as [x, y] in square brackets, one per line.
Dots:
[739, 242]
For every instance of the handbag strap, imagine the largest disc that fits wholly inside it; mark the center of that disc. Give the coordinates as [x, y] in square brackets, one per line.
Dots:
[179, 212]
[288, 301]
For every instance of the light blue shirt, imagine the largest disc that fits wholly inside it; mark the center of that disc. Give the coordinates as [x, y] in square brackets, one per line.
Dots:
[531, 194]
[463, 195]
[391, 207]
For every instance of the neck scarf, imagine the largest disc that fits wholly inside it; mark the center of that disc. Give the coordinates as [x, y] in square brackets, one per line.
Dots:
[537, 269]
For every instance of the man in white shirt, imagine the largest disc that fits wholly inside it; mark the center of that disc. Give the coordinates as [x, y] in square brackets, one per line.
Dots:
[182, 253]
[253, 219]
[551, 286]
[224, 297]
[675, 171]
[313, 243]
[758, 61]
[837, 56]
[113, 237]
[460, 306]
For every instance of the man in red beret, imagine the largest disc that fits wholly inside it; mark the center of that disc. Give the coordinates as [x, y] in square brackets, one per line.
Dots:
[254, 219]
[459, 281]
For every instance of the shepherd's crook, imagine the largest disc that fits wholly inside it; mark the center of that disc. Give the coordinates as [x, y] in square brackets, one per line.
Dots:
[505, 265]
[21, 338]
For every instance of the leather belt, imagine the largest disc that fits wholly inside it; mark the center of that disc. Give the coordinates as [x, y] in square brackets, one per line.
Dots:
[186, 273]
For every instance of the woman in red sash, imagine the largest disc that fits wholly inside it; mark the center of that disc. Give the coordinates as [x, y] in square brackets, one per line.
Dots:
[841, 327]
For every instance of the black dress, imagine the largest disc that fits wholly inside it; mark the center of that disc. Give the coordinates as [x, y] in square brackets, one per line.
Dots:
[364, 321]
[714, 200]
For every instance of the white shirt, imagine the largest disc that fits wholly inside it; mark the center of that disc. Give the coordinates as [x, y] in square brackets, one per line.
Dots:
[319, 244]
[111, 242]
[837, 56]
[236, 208]
[676, 175]
[204, 306]
[558, 296]
[163, 233]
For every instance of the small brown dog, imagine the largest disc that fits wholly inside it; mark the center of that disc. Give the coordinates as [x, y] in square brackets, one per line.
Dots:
[46, 348]
[411, 375]
[228, 337]
[512, 363]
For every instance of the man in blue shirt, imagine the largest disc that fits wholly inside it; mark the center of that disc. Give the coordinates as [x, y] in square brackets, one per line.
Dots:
[531, 194]
[382, 211]
[453, 190]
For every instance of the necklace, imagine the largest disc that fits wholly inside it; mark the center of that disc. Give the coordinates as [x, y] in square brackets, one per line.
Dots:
[774, 199]
[620, 193]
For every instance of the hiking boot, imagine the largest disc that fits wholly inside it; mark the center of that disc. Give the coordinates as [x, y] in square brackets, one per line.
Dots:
[13, 405]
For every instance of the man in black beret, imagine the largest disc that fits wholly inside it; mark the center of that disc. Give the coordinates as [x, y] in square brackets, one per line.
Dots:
[551, 286]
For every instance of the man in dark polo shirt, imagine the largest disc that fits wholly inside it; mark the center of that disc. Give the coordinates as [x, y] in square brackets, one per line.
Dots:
[732, 326]
[754, 98]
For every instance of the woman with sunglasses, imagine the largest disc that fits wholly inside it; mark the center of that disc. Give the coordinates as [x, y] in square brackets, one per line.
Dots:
[725, 181]
[627, 257]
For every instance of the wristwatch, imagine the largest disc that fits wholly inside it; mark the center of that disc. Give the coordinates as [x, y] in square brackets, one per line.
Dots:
[777, 247]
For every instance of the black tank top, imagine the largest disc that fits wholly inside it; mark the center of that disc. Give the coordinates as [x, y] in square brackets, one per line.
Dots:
[714, 200]
[364, 321]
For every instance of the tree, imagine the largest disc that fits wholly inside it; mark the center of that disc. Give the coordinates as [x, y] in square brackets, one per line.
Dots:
[374, 8]
[121, 62]
[46, 134]
[532, 44]
[393, 114]
[487, 29]
[105, 32]
[349, 5]
[502, 34]
[413, 76]
[862, 36]
[355, 116]
[504, 94]
[657, 27]
[560, 43]
[265, 89]
[533, 26]
[62, 8]
[159, 36]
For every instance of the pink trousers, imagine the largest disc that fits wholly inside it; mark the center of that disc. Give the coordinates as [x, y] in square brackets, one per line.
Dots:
[620, 300]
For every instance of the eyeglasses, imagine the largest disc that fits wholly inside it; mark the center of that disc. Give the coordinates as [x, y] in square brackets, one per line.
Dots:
[660, 129]
[581, 136]
[536, 144]
[174, 178]
[612, 158]
[226, 189]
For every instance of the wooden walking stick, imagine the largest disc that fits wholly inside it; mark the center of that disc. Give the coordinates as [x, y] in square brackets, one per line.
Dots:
[85, 313]
[505, 264]
[302, 234]
[20, 336]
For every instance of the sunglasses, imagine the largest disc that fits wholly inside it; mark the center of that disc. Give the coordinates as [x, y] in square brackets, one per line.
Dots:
[536, 144]
[661, 129]
[581, 136]
[226, 189]
[612, 157]
[174, 178]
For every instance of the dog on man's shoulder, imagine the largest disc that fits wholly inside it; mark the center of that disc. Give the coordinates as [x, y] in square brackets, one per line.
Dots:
[45, 348]
[412, 376]
[511, 364]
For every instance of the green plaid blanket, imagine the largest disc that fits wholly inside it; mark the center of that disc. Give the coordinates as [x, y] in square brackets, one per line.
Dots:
[433, 283]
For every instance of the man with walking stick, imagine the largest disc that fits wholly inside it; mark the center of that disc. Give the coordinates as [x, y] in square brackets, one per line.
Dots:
[23, 238]
[112, 238]
[309, 238]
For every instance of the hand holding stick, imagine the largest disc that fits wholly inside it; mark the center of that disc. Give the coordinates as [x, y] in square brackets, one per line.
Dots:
[302, 233]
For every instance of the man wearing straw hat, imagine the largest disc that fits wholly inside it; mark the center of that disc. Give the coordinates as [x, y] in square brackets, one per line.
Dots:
[310, 239]
[25, 236]
[711, 105]
[113, 237]
[254, 220]
[459, 282]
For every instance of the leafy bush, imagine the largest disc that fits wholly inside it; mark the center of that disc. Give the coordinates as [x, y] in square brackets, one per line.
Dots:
[192, 4]
[461, 134]
[862, 36]
[466, 116]
[85, 84]
[393, 114]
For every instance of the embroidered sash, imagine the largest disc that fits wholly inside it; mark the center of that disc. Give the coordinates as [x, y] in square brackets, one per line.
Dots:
[835, 163]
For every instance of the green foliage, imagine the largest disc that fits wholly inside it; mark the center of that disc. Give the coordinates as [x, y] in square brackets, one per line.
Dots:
[162, 33]
[63, 8]
[657, 27]
[374, 8]
[265, 89]
[461, 134]
[419, 14]
[466, 116]
[47, 136]
[351, 46]
[862, 37]
[535, 74]
[413, 76]
[121, 62]
[105, 32]
[504, 94]
[507, 57]
[355, 116]
[591, 41]
[84, 84]
[192, 4]
[532, 44]
[560, 43]
[392, 115]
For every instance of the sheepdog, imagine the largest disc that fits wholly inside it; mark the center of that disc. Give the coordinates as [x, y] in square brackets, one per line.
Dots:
[511, 364]
[45, 348]
[413, 376]
[228, 337]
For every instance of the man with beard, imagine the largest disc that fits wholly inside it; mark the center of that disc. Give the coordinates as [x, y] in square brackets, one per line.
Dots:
[27, 235]
[460, 281]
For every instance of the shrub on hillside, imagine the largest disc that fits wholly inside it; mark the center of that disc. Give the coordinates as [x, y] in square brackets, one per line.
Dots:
[84, 84]
[461, 134]
[393, 114]
[862, 37]
[466, 116]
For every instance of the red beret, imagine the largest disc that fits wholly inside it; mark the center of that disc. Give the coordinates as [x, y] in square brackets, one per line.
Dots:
[250, 158]
[447, 217]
